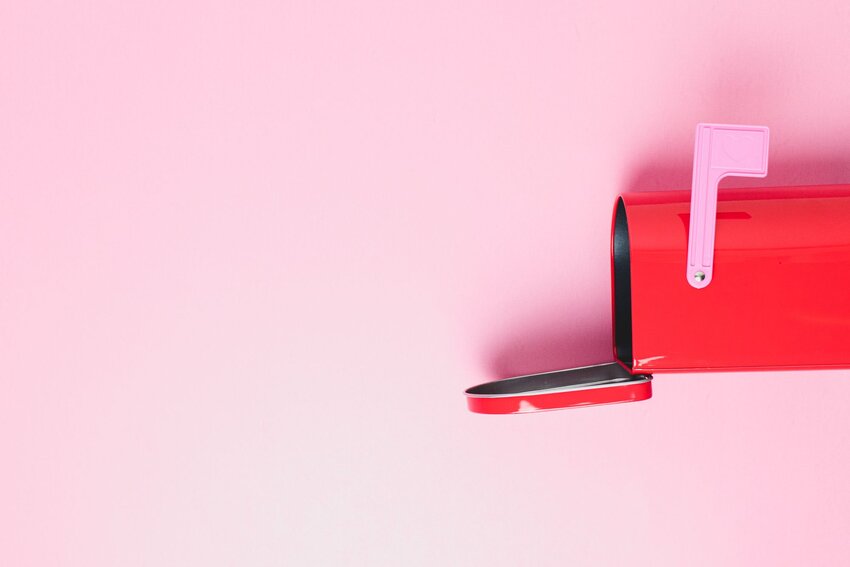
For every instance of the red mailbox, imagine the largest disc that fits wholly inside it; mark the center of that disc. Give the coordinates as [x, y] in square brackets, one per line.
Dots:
[768, 290]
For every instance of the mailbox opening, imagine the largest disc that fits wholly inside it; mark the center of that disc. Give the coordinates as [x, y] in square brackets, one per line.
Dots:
[622, 286]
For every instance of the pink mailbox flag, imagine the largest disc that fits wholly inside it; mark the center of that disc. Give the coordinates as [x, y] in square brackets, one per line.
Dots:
[721, 150]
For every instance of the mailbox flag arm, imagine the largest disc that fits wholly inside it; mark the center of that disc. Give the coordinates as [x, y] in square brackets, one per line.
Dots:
[720, 150]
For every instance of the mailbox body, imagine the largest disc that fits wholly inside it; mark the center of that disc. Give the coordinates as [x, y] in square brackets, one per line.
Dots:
[779, 298]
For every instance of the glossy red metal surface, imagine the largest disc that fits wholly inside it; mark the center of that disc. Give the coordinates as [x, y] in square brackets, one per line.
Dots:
[560, 400]
[780, 297]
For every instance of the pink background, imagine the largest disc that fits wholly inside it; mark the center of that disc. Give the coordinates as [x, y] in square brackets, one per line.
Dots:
[252, 253]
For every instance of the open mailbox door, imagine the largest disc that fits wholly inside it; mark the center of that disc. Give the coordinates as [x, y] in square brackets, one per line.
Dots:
[590, 385]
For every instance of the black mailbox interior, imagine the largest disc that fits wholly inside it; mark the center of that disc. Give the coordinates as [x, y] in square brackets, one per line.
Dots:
[622, 287]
